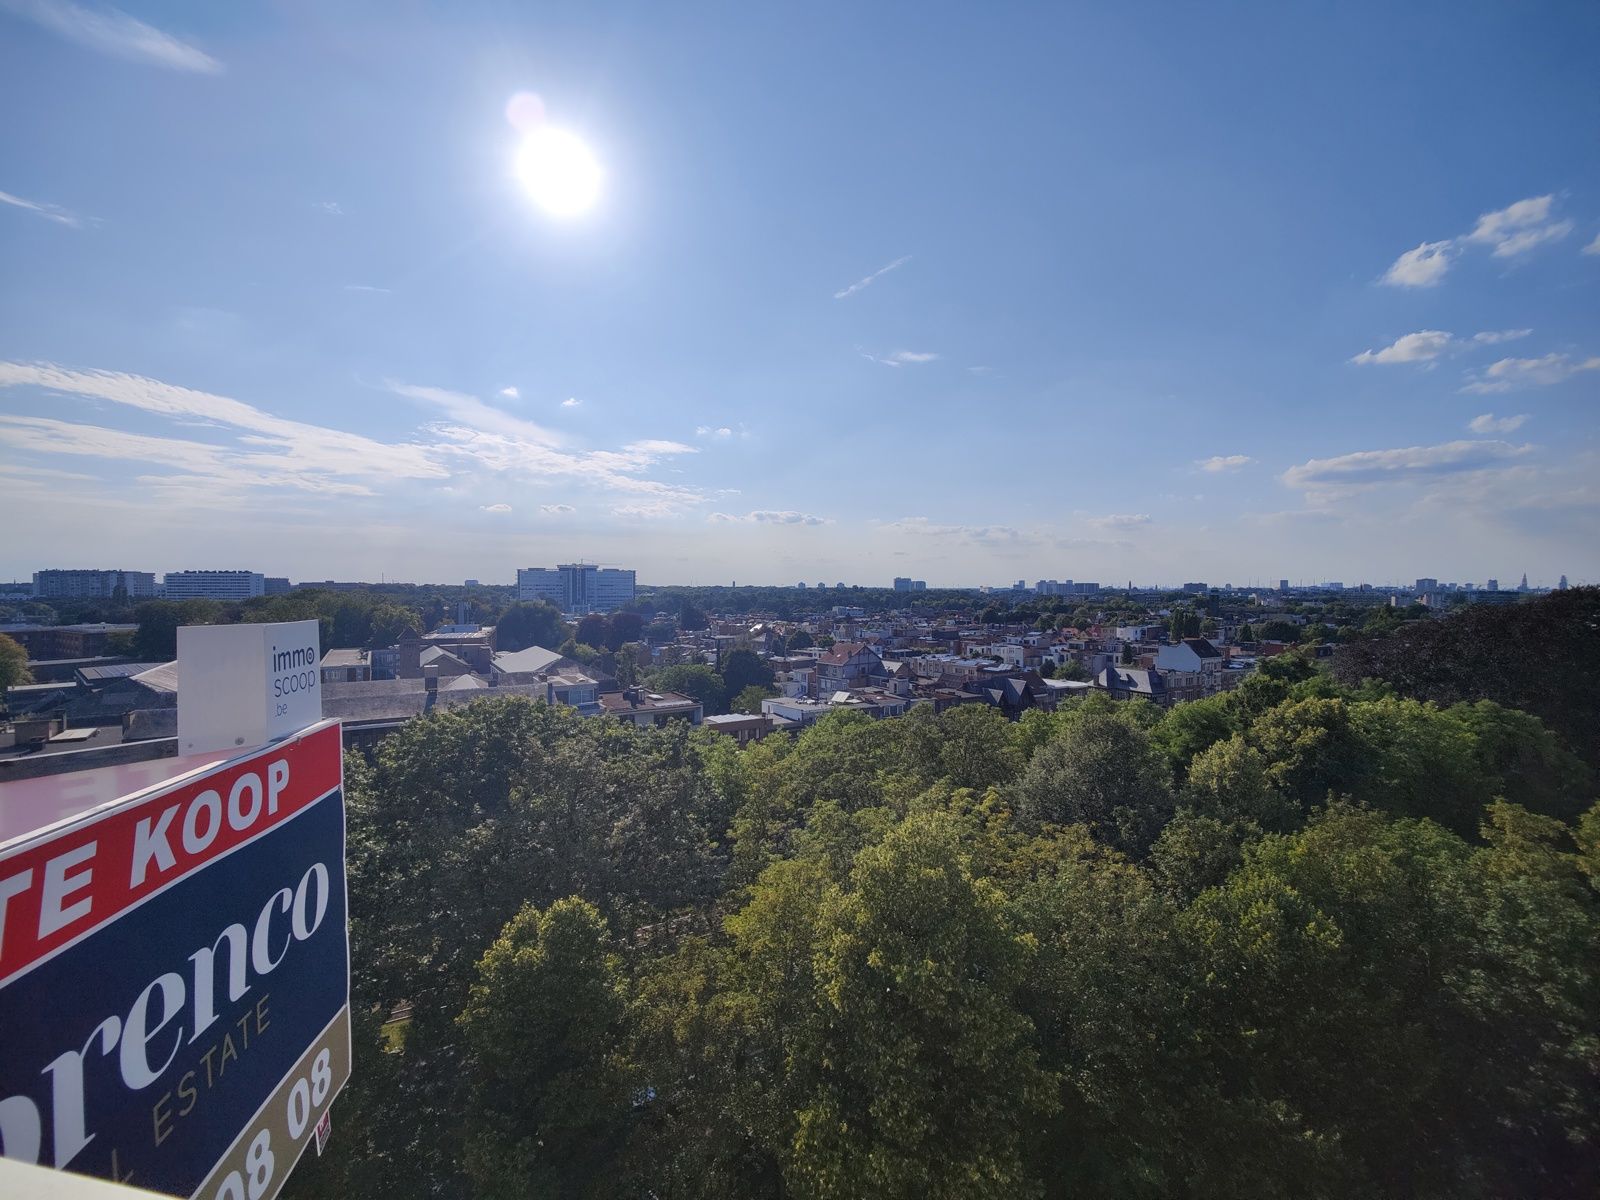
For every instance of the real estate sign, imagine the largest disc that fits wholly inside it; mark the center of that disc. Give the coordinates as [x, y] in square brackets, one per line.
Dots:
[174, 977]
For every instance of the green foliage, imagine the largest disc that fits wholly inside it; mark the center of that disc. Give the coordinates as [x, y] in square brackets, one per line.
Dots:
[742, 669]
[530, 623]
[800, 640]
[691, 619]
[1278, 631]
[749, 699]
[1106, 951]
[157, 637]
[546, 1093]
[699, 682]
[13, 664]
[1104, 773]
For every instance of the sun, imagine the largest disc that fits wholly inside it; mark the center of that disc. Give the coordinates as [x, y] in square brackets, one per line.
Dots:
[559, 172]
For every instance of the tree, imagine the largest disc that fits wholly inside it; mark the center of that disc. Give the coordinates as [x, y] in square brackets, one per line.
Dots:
[13, 665]
[1246, 633]
[547, 1099]
[1104, 773]
[529, 623]
[699, 682]
[157, 638]
[800, 640]
[691, 619]
[923, 1079]
[622, 628]
[392, 622]
[591, 631]
[749, 699]
[975, 747]
[742, 669]
[1279, 631]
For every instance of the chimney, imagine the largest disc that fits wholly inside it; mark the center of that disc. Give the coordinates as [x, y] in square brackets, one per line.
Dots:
[430, 679]
[410, 665]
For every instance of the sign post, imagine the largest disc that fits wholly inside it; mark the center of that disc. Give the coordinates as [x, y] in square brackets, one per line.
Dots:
[174, 977]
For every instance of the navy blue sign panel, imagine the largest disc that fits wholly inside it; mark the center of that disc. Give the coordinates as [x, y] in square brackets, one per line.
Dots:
[148, 1048]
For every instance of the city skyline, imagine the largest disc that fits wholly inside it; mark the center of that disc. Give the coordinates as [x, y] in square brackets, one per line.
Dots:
[1187, 295]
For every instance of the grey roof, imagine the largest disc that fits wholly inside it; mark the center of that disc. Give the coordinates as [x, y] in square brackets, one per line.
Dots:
[463, 683]
[1202, 647]
[526, 662]
[342, 657]
[92, 675]
[160, 679]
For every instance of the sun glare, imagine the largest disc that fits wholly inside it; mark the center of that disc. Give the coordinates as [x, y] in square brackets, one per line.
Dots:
[559, 172]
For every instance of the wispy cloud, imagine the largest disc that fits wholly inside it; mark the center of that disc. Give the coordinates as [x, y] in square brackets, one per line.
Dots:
[495, 508]
[1427, 346]
[511, 393]
[845, 293]
[707, 431]
[1408, 464]
[469, 410]
[1219, 463]
[1119, 520]
[556, 509]
[769, 517]
[1508, 232]
[1424, 266]
[1422, 346]
[902, 358]
[1593, 247]
[1512, 374]
[973, 535]
[331, 207]
[112, 32]
[367, 287]
[1489, 423]
[570, 402]
[270, 452]
[1519, 227]
[50, 212]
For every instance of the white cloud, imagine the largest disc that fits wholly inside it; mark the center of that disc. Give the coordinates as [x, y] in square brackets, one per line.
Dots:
[844, 293]
[510, 393]
[1120, 520]
[1593, 247]
[1519, 227]
[769, 517]
[331, 207]
[367, 287]
[495, 508]
[1509, 231]
[1489, 423]
[273, 452]
[50, 212]
[469, 410]
[975, 535]
[1493, 337]
[1422, 346]
[1423, 267]
[1218, 463]
[1509, 374]
[721, 431]
[902, 358]
[556, 509]
[1409, 464]
[115, 33]
[570, 402]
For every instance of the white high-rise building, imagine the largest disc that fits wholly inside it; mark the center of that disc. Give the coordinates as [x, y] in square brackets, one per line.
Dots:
[214, 585]
[577, 587]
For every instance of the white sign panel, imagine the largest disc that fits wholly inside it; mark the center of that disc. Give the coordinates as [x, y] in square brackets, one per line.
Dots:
[241, 686]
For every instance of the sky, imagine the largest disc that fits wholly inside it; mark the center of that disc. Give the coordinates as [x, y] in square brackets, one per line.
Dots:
[972, 294]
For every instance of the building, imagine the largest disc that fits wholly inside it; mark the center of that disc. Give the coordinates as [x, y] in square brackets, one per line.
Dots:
[651, 708]
[903, 584]
[577, 587]
[744, 728]
[1129, 683]
[214, 585]
[93, 585]
[1492, 585]
[277, 585]
[1426, 584]
[1191, 670]
[48, 643]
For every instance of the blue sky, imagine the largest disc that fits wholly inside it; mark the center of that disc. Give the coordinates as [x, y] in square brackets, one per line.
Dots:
[973, 294]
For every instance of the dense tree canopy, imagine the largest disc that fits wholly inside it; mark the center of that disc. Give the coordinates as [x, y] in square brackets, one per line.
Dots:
[1308, 939]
